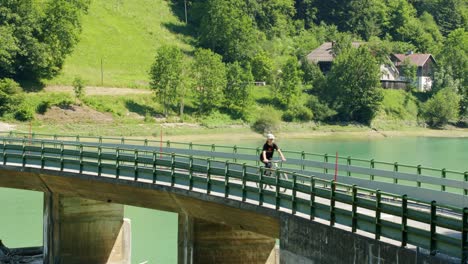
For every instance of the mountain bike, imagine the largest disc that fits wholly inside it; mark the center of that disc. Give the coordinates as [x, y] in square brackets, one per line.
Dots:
[271, 172]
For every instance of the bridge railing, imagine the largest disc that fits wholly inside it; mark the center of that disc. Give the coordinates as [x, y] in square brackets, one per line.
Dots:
[427, 224]
[422, 182]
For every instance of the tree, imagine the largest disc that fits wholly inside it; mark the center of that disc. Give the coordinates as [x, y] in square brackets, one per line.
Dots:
[166, 75]
[262, 67]
[78, 87]
[209, 74]
[238, 89]
[36, 41]
[352, 85]
[409, 70]
[288, 83]
[9, 95]
[273, 17]
[442, 108]
[367, 17]
[227, 29]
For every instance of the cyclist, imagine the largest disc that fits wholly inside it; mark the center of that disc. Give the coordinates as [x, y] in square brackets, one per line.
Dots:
[268, 149]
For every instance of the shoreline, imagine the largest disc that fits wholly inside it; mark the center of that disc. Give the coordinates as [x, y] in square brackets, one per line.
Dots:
[192, 132]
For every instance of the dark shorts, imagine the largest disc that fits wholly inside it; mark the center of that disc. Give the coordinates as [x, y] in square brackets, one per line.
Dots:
[267, 164]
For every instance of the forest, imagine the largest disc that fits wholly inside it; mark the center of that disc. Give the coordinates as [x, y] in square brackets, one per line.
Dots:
[238, 43]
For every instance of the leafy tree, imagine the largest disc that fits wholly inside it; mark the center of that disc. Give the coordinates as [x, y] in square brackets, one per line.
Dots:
[306, 12]
[37, 41]
[227, 29]
[274, 17]
[409, 70]
[78, 87]
[352, 85]
[262, 67]
[449, 14]
[321, 110]
[9, 95]
[367, 17]
[166, 75]
[288, 83]
[442, 108]
[209, 74]
[312, 76]
[238, 89]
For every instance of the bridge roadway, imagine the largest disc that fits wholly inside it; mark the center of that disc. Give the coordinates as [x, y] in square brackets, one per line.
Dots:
[229, 194]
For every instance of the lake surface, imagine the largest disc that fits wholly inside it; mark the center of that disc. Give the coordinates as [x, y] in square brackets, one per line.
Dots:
[154, 233]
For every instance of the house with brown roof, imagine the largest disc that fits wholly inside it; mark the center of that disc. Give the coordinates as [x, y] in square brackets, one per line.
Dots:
[323, 56]
[425, 64]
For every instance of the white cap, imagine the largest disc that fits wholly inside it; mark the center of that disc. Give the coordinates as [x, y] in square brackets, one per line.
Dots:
[270, 136]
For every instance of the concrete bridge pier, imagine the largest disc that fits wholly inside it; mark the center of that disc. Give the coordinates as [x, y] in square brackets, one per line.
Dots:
[200, 241]
[78, 230]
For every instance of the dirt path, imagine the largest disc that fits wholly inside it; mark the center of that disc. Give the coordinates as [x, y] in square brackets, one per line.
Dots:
[6, 127]
[92, 90]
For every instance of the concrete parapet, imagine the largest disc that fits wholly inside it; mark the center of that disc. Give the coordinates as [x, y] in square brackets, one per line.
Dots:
[78, 230]
[303, 241]
[205, 242]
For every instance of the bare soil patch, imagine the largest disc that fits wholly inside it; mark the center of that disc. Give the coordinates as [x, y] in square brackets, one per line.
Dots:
[92, 90]
[75, 114]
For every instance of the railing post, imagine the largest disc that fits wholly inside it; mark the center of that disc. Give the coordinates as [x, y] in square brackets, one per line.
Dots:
[332, 202]
[419, 174]
[4, 152]
[258, 155]
[244, 191]
[372, 166]
[466, 180]
[433, 223]
[354, 209]
[277, 189]
[213, 149]
[61, 156]
[155, 169]
[312, 198]
[77, 138]
[378, 210]
[208, 176]
[404, 220]
[226, 179]
[100, 139]
[99, 160]
[444, 175]
[191, 173]
[172, 169]
[23, 155]
[42, 155]
[135, 166]
[348, 161]
[303, 159]
[168, 144]
[234, 151]
[464, 238]
[145, 142]
[325, 159]
[293, 197]
[395, 169]
[260, 185]
[190, 145]
[122, 140]
[81, 158]
[117, 162]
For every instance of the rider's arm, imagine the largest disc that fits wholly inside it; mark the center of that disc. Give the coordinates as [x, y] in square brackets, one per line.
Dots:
[281, 154]
[264, 156]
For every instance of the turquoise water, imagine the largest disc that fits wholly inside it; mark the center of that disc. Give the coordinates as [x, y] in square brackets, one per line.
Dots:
[154, 233]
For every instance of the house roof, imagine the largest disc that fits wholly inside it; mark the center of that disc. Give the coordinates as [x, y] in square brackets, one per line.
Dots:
[415, 58]
[324, 53]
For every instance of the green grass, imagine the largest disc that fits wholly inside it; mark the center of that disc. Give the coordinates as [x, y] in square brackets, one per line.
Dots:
[125, 35]
[399, 109]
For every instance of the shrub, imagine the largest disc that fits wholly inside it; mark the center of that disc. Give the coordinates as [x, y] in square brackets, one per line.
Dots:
[78, 87]
[216, 119]
[10, 91]
[442, 108]
[268, 120]
[298, 113]
[24, 114]
[321, 111]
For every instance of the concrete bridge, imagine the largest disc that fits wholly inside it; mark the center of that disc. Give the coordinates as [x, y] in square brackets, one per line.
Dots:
[227, 212]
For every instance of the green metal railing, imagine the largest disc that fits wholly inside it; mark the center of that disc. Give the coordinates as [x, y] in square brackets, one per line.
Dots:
[451, 181]
[426, 224]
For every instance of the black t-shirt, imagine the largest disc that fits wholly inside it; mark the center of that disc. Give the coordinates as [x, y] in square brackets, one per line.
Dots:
[269, 151]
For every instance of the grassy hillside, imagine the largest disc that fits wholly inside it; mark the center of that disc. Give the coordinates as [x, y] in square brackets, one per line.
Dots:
[125, 35]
